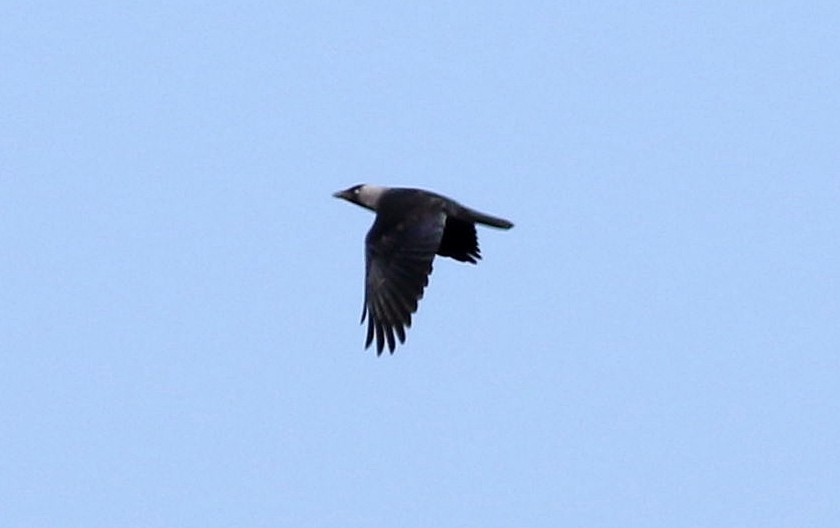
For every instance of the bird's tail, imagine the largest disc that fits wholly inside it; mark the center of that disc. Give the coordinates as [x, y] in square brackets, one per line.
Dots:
[488, 220]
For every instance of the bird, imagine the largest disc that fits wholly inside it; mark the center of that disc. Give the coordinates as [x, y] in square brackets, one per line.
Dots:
[410, 228]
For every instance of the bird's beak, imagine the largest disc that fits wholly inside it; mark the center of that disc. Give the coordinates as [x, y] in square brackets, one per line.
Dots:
[340, 194]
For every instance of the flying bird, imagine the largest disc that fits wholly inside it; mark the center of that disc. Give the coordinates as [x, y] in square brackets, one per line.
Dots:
[411, 227]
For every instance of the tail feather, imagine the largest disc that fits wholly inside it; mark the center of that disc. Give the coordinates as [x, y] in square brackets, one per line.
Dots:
[488, 220]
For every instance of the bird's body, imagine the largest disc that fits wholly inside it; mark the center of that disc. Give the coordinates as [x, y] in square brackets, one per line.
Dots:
[411, 227]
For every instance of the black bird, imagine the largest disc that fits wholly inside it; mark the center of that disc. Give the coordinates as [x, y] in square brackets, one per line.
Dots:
[411, 227]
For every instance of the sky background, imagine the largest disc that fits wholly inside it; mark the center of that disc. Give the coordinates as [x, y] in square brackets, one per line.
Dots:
[656, 342]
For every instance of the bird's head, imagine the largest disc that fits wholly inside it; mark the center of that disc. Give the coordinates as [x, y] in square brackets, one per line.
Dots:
[363, 194]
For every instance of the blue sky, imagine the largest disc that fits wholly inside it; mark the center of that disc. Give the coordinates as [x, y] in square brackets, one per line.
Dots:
[654, 344]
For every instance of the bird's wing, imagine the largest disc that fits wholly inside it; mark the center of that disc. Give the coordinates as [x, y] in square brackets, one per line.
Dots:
[398, 256]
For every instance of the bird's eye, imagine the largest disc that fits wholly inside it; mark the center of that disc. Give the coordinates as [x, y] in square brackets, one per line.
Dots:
[356, 191]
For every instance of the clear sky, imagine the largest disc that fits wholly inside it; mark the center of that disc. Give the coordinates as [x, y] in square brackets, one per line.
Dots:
[656, 342]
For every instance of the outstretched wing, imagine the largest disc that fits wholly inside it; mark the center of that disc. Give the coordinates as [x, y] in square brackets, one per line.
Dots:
[399, 250]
